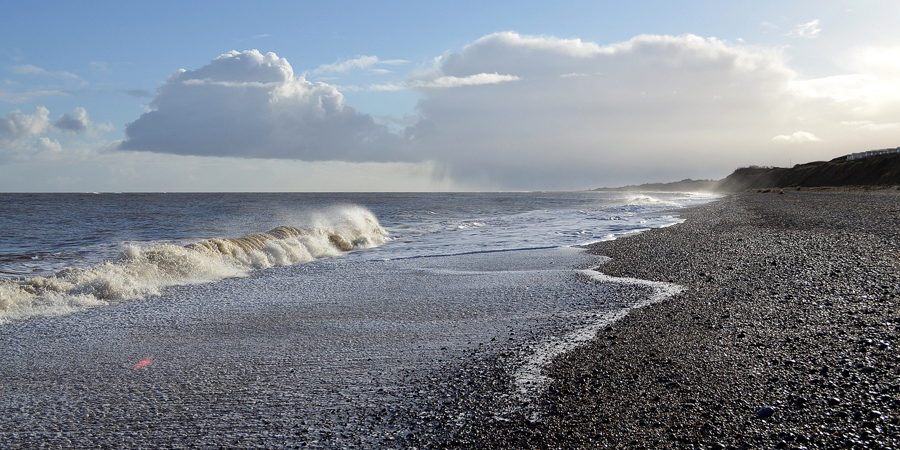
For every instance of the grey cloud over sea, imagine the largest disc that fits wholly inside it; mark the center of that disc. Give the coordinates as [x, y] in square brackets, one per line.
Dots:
[77, 122]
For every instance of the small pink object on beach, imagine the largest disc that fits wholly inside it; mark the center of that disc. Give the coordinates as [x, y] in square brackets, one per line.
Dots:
[144, 363]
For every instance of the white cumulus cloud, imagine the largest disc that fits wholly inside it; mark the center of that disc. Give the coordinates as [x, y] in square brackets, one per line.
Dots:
[648, 109]
[29, 137]
[47, 145]
[248, 104]
[17, 125]
[657, 107]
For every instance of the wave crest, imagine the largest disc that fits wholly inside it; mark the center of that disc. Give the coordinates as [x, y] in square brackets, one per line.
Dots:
[145, 271]
[646, 200]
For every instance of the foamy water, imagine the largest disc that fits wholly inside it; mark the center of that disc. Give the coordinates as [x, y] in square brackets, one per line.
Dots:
[87, 251]
[529, 378]
[262, 320]
[143, 270]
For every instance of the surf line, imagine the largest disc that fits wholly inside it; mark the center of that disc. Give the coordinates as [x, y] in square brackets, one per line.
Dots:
[529, 379]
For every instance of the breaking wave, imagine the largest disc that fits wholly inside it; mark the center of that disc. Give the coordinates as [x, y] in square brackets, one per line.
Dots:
[646, 200]
[144, 271]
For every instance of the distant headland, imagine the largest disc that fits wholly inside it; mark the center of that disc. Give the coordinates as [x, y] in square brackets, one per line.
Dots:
[864, 169]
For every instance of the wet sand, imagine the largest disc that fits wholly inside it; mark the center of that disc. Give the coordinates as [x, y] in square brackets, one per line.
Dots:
[785, 337]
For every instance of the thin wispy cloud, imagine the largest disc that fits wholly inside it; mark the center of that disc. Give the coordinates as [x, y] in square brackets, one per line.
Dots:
[29, 69]
[386, 87]
[797, 137]
[809, 30]
[439, 82]
[868, 125]
[357, 63]
[138, 93]
[362, 62]
[23, 97]
[99, 66]
[471, 80]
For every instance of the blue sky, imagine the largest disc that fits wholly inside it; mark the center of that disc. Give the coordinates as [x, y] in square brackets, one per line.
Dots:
[435, 95]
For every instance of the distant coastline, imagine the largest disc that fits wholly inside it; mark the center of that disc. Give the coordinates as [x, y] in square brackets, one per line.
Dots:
[686, 185]
[875, 168]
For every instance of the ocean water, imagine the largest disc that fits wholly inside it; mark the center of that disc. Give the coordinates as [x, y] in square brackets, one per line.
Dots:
[233, 319]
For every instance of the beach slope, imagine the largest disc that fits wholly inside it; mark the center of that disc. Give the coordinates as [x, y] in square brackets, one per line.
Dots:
[785, 337]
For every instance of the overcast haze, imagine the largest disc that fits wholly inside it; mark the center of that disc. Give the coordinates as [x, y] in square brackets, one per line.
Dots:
[393, 96]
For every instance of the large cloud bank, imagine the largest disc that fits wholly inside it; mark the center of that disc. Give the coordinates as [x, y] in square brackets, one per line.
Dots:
[523, 112]
[251, 105]
[652, 108]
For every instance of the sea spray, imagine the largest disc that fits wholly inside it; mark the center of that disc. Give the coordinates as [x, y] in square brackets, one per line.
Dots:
[647, 200]
[144, 271]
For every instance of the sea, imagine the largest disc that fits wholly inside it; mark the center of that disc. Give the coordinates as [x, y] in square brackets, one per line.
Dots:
[294, 319]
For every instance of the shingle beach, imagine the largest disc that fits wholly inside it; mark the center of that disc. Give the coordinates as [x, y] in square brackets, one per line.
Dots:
[785, 336]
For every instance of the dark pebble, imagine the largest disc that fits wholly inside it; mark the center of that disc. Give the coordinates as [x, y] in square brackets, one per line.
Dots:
[766, 411]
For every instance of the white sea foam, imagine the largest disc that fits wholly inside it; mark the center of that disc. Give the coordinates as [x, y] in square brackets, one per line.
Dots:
[529, 378]
[469, 225]
[145, 271]
[646, 200]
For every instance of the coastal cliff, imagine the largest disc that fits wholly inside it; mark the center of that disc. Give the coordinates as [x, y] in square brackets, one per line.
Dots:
[881, 170]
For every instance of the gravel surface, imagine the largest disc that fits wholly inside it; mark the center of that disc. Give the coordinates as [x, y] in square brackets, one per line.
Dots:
[785, 337]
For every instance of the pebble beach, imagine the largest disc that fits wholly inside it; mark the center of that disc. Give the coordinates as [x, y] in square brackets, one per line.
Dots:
[784, 337]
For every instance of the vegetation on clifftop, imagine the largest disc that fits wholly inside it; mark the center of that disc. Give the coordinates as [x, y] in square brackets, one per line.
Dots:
[843, 171]
[873, 171]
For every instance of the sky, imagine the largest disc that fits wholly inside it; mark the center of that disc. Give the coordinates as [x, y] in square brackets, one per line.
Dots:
[435, 96]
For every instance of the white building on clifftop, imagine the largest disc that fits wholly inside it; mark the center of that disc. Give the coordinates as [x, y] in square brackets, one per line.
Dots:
[871, 153]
